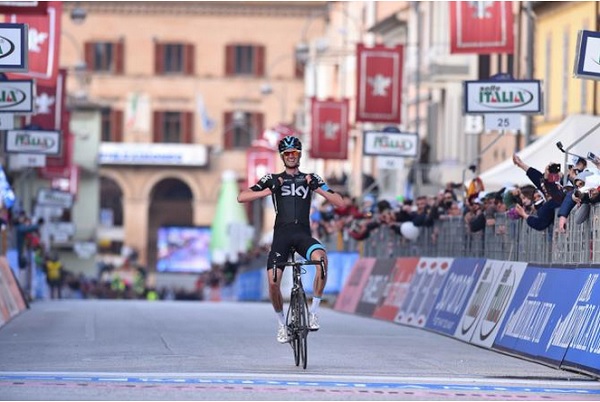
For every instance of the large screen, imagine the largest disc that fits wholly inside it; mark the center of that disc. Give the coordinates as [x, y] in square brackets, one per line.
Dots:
[183, 249]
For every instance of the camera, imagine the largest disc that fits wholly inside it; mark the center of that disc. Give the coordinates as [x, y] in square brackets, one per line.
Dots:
[554, 168]
[591, 156]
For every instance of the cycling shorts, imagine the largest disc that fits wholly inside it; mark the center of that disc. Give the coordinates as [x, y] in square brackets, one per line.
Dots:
[288, 236]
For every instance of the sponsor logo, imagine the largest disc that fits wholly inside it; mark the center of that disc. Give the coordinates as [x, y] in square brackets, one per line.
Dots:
[504, 97]
[7, 47]
[294, 191]
[34, 142]
[10, 97]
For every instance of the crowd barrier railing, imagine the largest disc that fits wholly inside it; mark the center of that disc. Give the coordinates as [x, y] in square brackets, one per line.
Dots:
[503, 239]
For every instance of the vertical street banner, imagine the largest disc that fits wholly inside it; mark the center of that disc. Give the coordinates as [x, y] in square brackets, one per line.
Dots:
[260, 161]
[51, 114]
[44, 39]
[329, 133]
[379, 84]
[481, 27]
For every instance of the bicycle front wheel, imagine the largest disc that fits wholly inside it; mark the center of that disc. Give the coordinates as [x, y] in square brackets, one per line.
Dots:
[303, 329]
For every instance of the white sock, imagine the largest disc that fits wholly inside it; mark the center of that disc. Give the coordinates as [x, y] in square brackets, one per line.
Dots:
[280, 317]
[315, 304]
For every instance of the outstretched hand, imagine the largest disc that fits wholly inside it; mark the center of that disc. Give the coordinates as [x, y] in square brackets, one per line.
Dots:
[276, 184]
[313, 183]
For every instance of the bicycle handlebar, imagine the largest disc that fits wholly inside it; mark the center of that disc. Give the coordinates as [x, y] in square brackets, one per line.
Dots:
[320, 262]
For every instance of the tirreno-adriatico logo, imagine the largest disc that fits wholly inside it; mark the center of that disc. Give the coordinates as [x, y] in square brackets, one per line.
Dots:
[7, 47]
[10, 97]
[504, 97]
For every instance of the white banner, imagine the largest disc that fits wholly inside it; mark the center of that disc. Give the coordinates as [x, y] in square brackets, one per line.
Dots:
[481, 97]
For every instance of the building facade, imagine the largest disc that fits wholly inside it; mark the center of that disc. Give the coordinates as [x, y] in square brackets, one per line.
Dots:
[184, 88]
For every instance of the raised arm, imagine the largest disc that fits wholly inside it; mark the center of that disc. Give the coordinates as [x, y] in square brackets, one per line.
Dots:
[265, 186]
[248, 194]
[318, 185]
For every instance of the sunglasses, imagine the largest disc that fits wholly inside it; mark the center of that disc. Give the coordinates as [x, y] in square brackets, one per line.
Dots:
[291, 153]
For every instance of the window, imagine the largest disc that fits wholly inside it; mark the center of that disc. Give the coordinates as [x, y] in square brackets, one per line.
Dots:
[111, 126]
[245, 60]
[174, 58]
[104, 57]
[173, 127]
[241, 128]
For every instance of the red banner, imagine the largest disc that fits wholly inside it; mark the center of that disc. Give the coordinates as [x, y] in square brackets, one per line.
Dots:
[260, 161]
[51, 114]
[329, 134]
[44, 39]
[481, 27]
[379, 84]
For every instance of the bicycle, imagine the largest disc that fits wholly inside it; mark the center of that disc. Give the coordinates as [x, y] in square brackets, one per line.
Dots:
[297, 314]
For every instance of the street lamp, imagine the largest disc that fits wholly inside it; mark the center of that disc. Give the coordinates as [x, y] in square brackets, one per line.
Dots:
[78, 14]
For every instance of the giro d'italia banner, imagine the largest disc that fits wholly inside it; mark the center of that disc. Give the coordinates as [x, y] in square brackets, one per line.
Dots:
[546, 318]
[481, 27]
[510, 96]
[330, 129]
[379, 84]
[396, 288]
[350, 296]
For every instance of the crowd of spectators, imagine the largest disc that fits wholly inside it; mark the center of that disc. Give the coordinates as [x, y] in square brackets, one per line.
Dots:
[550, 193]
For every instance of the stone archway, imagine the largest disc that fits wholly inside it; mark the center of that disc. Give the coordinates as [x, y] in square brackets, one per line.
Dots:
[170, 205]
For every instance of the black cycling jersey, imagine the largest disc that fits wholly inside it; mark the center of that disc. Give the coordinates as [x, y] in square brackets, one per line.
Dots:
[292, 200]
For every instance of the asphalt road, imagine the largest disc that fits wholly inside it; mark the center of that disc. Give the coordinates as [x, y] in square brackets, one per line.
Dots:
[137, 350]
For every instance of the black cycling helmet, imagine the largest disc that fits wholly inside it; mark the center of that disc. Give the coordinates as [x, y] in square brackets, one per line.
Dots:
[288, 142]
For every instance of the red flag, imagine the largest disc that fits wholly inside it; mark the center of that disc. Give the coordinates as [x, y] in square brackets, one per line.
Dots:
[329, 134]
[44, 39]
[379, 84]
[260, 161]
[481, 27]
[52, 114]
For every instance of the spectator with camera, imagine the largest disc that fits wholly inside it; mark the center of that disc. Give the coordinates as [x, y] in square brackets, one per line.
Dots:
[549, 185]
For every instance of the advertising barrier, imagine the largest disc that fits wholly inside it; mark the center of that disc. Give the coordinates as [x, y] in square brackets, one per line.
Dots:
[550, 315]
[11, 297]
[452, 299]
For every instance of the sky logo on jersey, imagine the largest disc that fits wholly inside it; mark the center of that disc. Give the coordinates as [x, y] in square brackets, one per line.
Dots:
[294, 191]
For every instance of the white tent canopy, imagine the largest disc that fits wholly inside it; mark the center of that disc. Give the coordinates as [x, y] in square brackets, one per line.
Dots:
[544, 150]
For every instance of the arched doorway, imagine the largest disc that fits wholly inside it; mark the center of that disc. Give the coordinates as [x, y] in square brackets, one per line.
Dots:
[111, 217]
[170, 205]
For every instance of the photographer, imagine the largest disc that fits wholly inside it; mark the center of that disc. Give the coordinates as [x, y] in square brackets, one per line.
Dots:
[548, 184]
[585, 192]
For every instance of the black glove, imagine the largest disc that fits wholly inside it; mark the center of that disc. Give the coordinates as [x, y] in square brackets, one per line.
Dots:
[314, 183]
[275, 185]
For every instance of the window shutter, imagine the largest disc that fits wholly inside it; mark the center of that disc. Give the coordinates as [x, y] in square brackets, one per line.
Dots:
[188, 59]
[159, 59]
[116, 125]
[257, 121]
[228, 135]
[157, 130]
[187, 127]
[259, 61]
[229, 60]
[89, 55]
[119, 54]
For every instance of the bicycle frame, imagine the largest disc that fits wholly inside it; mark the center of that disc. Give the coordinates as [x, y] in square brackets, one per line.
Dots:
[297, 314]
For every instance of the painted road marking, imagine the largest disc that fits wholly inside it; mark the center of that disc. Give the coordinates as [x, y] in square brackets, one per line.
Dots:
[345, 382]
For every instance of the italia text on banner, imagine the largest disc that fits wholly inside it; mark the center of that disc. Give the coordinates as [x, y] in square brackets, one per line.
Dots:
[379, 84]
[44, 40]
[329, 139]
[481, 27]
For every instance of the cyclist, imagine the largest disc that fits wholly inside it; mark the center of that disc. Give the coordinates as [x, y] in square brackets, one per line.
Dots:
[291, 191]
